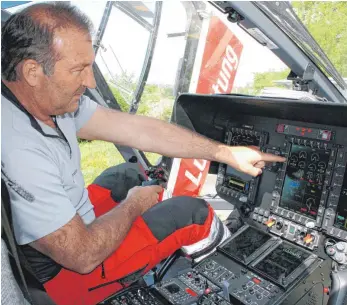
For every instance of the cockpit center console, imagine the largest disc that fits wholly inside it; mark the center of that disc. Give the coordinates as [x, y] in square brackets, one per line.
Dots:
[292, 246]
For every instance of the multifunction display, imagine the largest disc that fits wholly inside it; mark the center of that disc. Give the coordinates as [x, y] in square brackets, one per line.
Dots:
[304, 180]
[233, 185]
[234, 179]
[245, 244]
[285, 263]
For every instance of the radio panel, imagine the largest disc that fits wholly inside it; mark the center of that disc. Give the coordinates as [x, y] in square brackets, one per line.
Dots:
[232, 184]
[243, 286]
[132, 296]
[186, 288]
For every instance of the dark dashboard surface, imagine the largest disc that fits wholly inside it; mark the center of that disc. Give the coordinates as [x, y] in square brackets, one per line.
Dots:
[310, 188]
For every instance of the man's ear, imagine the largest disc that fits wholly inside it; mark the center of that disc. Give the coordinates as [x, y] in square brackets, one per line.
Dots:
[31, 72]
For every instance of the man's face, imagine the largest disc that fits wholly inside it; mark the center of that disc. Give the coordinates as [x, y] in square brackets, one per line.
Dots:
[73, 72]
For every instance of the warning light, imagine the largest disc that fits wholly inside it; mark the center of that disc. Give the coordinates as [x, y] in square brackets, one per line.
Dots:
[280, 128]
[326, 135]
[270, 223]
[191, 292]
[308, 239]
[256, 281]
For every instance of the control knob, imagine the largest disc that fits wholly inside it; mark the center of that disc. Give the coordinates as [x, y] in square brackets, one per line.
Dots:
[279, 225]
[331, 251]
[302, 235]
[339, 258]
[340, 247]
[310, 225]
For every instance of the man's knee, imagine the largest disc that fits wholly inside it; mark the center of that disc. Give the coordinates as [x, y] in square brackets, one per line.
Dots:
[176, 213]
[120, 179]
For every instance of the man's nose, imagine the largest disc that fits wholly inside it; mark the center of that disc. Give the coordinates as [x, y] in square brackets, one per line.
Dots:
[89, 79]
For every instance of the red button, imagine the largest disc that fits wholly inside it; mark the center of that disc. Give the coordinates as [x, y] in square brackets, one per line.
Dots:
[257, 281]
[191, 292]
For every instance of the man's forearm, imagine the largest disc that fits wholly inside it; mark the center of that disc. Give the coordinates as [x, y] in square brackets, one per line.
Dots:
[174, 141]
[82, 248]
[150, 135]
[107, 232]
[154, 135]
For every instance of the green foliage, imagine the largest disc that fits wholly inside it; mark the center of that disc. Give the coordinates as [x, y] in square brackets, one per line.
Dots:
[96, 156]
[327, 23]
[266, 79]
[156, 101]
[119, 98]
[247, 90]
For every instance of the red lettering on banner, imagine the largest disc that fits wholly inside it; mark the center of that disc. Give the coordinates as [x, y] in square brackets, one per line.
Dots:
[217, 74]
[191, 176]
[220, 60]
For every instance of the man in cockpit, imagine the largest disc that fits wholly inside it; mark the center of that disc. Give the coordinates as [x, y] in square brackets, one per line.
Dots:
[47, 64]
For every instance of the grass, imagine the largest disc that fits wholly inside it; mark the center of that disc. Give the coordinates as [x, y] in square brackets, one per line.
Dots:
[96, 156]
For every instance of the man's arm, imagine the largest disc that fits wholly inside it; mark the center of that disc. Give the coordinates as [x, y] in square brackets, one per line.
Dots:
[82, 248]
[153, 135]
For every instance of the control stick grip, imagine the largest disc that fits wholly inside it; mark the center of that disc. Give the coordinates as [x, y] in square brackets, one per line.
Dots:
[338, 293]
[151, 182]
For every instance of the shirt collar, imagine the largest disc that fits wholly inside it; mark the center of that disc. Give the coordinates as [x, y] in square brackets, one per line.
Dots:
[42, 128]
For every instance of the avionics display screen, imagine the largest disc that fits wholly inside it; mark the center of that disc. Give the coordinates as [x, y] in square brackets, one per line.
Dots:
[235, 179]
[303, 183]
[341, 211]
[282, 261]
[245, 244]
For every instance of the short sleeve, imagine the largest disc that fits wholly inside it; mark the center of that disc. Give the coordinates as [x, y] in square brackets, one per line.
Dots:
[85, 111]
[39, 202]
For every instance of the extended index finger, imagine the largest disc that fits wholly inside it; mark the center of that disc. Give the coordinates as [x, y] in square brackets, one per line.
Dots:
[272, 158]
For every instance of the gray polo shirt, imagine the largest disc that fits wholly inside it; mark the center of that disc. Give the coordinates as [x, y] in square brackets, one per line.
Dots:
[41, 167]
